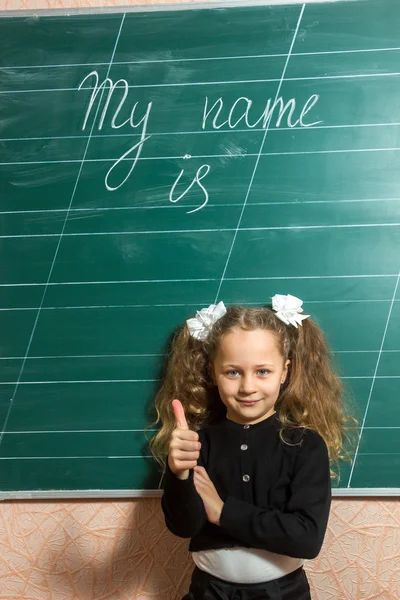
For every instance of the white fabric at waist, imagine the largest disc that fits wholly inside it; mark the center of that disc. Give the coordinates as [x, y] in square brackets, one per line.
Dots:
[245, 565]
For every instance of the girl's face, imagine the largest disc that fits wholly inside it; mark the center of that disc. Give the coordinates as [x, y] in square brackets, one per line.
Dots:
[249, 370]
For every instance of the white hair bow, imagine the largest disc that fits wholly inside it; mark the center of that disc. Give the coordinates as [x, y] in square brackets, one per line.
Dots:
[288, 309]
[200, 326]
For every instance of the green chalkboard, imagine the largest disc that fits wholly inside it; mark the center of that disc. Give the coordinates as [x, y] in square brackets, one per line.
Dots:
[154, 162]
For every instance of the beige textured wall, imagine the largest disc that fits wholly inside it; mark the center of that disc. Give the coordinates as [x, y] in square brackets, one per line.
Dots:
[121, 550]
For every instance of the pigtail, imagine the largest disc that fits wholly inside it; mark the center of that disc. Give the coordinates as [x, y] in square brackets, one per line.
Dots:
[187, 379]
[314, 397]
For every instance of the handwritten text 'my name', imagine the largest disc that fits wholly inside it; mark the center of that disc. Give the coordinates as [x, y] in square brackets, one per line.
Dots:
[241, 112]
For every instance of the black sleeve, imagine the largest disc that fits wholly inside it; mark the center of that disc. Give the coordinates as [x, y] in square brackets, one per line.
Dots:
[182, 506]
[299, 530]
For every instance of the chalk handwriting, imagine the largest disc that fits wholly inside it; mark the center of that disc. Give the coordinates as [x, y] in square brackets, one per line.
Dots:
[197, 179]
[138, 147]
[242, 107]
[215, 116]
[143, 122]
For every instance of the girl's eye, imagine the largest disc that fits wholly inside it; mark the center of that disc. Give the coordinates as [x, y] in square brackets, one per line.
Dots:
[232, 372]
[263, 371]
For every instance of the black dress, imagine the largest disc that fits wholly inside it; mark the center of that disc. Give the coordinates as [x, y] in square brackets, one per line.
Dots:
[276, 497]
[290, 587]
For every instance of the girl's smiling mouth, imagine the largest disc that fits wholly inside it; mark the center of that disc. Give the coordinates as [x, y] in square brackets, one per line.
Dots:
[248, 402]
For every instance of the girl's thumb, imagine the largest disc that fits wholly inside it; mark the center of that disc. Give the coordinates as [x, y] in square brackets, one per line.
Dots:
[179, 413]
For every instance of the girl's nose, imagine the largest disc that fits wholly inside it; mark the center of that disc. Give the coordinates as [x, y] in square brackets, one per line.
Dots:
[247, 385]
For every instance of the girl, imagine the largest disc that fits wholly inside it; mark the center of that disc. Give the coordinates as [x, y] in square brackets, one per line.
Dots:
[247, 448]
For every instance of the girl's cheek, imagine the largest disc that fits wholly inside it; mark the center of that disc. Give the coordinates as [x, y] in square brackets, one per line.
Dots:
[228, 389]
[273, 386]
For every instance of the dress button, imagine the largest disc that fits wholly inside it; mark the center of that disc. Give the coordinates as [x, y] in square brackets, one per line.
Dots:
[246, 478]
[244, 447]
[246, 426]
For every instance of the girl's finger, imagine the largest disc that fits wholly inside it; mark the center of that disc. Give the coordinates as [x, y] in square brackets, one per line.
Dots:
[186, 464]
[179, 412]
[186, 445]
[201, 471]
[199, 487]
[184, 455]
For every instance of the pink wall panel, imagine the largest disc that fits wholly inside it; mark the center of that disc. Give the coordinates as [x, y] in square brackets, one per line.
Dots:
[122, 550]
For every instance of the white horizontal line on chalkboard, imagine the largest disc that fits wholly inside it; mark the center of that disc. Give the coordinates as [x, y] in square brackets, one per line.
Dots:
[209, 58]
[46, 431]
[289, 277]
[141, 305]
[151, 380]
[249, 56]
[244, 155]
[140, 281]
[80, 381]
[359, 351]
[167, 305]
[378, 453]
[200, 83]
[84, 457]
[372, 377]
[130, 281]
[146, 62]
[62, 357]
[66, 457]
[175, 207]
[68, 431]
[196, 132]
[219, 230]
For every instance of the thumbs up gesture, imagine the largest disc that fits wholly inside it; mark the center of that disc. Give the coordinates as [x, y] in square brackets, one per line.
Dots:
[184, 446]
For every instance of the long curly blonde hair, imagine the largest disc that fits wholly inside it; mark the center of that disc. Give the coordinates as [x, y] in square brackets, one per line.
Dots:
[312, 396]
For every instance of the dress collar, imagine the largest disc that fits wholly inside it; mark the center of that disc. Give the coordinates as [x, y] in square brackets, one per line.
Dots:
[264, 423]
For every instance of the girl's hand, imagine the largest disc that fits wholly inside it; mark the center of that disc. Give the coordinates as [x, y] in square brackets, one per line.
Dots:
[184, 446]
[205, 488]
